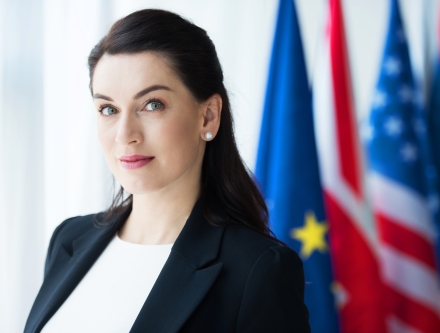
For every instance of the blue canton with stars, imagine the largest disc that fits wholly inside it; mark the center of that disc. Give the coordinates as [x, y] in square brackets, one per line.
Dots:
[397, 121]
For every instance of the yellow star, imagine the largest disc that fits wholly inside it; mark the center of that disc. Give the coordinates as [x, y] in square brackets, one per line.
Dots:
[311, 235]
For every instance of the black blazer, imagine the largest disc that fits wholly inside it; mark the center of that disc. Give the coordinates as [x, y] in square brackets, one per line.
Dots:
[216, 279]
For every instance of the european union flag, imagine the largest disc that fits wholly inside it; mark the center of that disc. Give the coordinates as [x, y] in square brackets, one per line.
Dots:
[287, 168]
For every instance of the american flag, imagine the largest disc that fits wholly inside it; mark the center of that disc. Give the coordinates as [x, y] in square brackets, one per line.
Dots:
[399, 192]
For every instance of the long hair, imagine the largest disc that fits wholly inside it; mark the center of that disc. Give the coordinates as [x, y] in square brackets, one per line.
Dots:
[226, 181]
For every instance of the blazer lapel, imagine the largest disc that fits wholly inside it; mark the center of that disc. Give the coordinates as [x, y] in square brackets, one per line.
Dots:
[72, 263]
[183, 282]
[185, 278]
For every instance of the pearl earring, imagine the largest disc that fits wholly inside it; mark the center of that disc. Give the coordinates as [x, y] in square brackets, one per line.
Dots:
[208, 135]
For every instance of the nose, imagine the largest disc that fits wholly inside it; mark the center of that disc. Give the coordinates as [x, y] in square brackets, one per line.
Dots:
[129, 129]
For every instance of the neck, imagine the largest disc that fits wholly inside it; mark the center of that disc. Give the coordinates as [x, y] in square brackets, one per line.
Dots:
[158, 217]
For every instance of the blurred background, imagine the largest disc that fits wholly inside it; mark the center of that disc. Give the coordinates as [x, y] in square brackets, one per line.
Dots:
[52, 167]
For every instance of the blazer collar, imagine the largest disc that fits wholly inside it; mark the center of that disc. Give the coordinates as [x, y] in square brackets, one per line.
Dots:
[71, 262]
[199, 242]
[185, 278]
[183, 282]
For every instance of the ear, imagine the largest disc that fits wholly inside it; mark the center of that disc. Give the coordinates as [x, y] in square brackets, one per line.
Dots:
[211, 111]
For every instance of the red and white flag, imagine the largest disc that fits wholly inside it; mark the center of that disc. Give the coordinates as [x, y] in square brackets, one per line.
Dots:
[352, 237]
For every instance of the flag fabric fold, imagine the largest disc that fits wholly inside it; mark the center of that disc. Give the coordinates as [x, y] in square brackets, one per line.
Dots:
[367, 234]
[352, 236]
[399, 190]
[287, 168]
[433, 125]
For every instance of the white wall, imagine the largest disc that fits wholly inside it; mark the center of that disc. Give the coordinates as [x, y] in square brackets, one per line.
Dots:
[21, 159]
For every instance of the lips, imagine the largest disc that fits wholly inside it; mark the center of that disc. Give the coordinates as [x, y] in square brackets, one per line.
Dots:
[134, 158]
[135, 161]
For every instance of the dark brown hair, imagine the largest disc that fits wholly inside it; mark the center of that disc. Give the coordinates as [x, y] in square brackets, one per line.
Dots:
[226, 181]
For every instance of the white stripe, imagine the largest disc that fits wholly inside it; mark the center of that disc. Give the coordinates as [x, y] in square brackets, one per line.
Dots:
[410, 277]
[328, 150]
[395, 325]
[402, 204]
[323, 106]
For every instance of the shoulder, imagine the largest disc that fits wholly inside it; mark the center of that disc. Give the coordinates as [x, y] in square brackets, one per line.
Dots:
[270, 277]
[74, 227]
[256, 260]
[70, 229]
[253, 246]
[273, 283]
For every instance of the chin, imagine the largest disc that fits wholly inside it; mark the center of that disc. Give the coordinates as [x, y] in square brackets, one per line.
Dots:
[141, 187]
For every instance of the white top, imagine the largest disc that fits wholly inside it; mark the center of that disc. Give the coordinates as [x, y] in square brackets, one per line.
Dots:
[111, 294]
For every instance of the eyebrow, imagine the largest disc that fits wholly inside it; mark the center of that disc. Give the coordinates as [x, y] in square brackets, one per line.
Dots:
[139, 94]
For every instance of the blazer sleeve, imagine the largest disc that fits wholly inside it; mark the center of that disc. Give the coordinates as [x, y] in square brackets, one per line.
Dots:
[273, 298]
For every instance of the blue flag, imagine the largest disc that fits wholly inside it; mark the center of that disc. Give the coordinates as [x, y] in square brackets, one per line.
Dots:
[287, 168]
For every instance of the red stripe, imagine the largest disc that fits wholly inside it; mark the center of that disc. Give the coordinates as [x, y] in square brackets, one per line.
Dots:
[345, 116]
[405, 240]
[412, 313]
[357, 269]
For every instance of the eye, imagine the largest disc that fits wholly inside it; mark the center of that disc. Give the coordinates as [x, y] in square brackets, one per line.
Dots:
[154, 105]
[108, 110]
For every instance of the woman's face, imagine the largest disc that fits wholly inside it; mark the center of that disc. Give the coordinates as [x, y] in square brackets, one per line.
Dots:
[146, 110]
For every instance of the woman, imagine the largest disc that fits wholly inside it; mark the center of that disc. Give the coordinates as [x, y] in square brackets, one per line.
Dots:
[189, 250]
